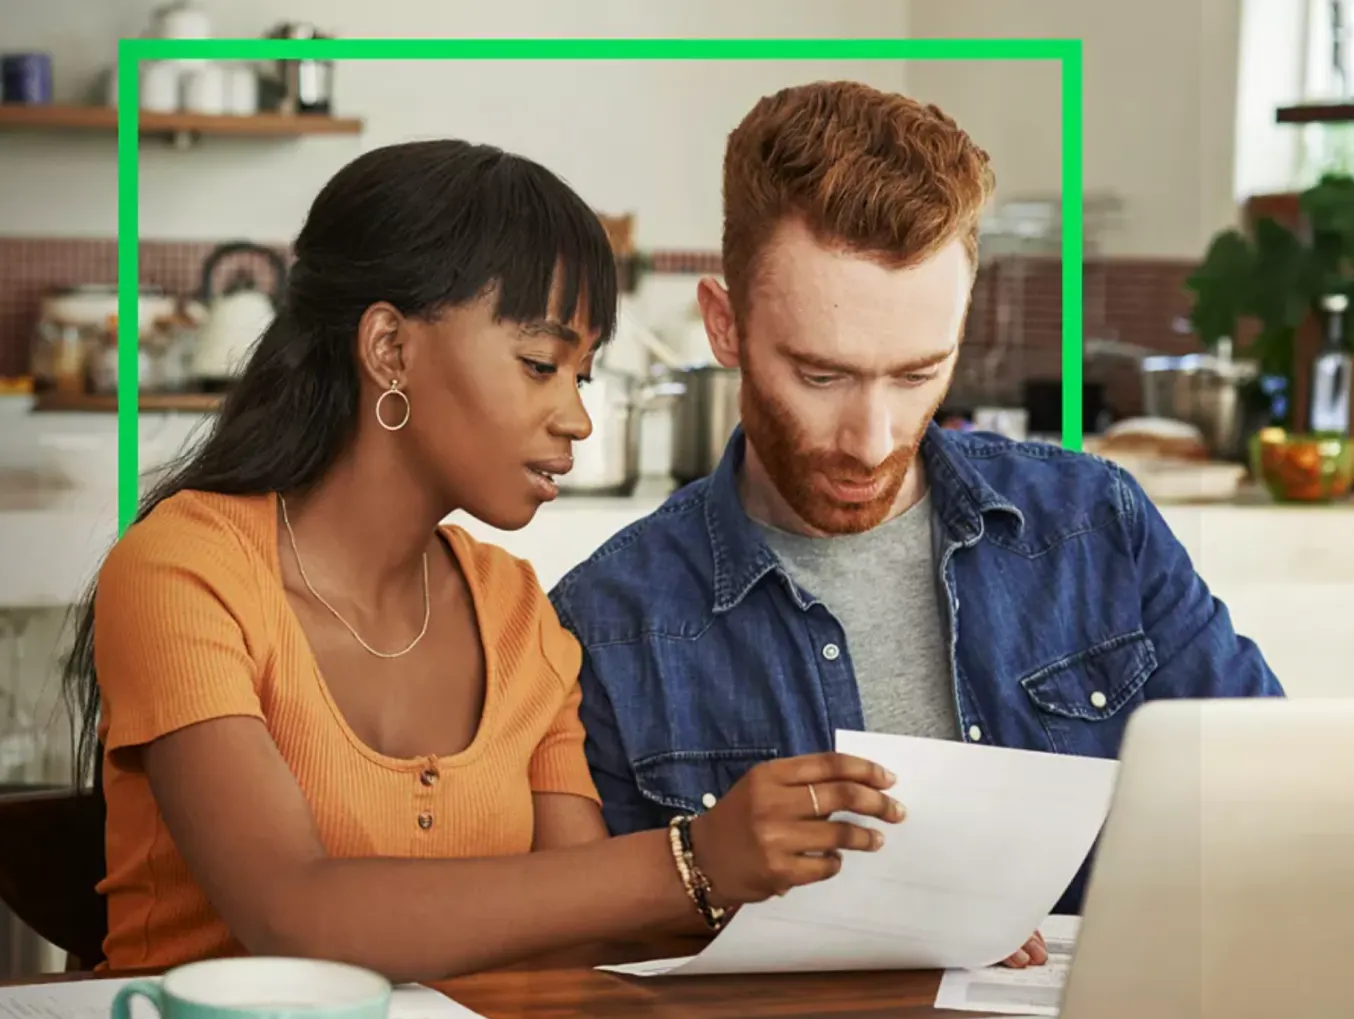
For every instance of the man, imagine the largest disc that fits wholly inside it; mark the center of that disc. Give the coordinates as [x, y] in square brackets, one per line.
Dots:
[850, 564]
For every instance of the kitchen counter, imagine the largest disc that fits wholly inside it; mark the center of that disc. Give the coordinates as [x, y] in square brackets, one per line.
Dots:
[1286, 573]
[52, 536]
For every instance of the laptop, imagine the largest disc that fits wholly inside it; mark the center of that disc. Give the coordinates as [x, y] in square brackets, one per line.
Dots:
[1223, 884]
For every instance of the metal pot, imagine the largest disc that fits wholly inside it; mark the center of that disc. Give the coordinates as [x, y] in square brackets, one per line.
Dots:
[607, 461]
[1204, 391]
[704, 416]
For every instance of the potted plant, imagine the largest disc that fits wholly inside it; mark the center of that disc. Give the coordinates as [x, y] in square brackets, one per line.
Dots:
[1275, 278]
[1273, 281]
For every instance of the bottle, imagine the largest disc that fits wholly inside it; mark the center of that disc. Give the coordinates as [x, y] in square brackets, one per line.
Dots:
[1330, 399]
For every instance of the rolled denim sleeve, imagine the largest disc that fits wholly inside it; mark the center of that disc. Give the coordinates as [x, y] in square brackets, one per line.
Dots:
[1199, 653]
[623, 806]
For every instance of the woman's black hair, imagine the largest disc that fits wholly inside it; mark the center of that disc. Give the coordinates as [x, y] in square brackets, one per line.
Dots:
[425, 226]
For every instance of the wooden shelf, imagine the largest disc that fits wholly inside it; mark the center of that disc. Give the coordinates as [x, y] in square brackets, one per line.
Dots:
[1315, 113]
[107, 403]
[105, 118]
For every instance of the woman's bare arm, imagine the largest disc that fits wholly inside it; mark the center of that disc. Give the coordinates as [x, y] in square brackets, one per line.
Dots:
[246, 831]
[563, 821]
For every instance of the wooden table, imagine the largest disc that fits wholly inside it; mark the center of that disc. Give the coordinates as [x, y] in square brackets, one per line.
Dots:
[564, 985]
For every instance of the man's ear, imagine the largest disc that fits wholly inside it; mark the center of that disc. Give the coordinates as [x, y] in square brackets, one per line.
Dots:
[720, 328]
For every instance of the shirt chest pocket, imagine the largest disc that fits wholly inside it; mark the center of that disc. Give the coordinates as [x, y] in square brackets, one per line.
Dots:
[689, 781]
[1084, 699]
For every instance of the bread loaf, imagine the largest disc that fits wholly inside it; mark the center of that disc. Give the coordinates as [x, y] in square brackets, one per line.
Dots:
[1153, 438]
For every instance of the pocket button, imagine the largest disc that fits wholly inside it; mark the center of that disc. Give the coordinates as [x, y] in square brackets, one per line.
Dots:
[1098, 700]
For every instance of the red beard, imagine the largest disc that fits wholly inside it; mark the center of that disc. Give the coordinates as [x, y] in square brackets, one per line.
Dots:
[799, 471]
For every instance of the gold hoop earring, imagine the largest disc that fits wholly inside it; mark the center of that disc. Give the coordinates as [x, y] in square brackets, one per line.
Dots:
[394, 390]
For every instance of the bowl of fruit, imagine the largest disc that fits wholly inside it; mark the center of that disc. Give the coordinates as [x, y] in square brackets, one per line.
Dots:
[1303, 468]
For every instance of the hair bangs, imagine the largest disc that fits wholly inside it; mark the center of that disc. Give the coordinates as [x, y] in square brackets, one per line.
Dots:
[554, 260]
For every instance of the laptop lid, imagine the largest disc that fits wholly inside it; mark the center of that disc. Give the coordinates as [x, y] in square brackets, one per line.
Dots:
[1223, 885]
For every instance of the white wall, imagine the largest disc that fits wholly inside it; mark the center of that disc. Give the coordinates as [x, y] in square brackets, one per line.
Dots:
[1161, 108]
[643, 136]
[1160, 101]
[1272, 70]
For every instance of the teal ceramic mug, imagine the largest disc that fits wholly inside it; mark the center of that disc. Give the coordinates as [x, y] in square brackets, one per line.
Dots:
[261, 988]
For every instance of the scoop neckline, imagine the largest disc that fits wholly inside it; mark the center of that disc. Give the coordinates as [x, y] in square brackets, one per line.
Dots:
[475, 749]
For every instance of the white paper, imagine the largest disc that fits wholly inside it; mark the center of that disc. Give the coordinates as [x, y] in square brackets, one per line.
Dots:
[992, 839]
[92, 999]
[413, 1001]
[997, 990]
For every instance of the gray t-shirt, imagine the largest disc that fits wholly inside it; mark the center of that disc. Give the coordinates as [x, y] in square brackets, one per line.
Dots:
[882, 586]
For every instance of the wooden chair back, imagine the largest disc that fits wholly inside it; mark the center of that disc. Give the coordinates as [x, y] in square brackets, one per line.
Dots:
[51, 859]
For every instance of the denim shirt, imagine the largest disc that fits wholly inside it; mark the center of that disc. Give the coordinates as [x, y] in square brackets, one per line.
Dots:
[1068, 600]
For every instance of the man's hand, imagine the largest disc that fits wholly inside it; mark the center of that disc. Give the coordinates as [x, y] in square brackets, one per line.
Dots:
[1035, 953]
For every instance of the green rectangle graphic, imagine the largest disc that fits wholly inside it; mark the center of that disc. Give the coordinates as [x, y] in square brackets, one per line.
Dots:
[1067, 52]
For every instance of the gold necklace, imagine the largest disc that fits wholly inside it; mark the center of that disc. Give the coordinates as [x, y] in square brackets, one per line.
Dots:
[427, 600]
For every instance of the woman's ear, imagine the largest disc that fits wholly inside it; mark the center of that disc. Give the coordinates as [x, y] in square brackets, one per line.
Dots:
[380, 345]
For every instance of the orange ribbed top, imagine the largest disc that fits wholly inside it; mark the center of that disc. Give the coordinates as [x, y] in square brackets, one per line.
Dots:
[191, 623]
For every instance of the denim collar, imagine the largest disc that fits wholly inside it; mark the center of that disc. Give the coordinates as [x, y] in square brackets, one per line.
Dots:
[960, 498]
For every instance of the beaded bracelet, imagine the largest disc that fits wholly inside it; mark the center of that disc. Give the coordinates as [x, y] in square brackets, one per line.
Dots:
[695, 882]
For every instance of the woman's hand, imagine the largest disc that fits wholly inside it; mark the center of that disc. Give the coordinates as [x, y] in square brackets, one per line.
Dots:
[771, 833]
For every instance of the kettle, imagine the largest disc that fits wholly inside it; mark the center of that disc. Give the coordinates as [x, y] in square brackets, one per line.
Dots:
[307, 86]
[237, 315]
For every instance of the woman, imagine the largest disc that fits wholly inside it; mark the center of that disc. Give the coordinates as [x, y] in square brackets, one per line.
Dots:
[332, 727]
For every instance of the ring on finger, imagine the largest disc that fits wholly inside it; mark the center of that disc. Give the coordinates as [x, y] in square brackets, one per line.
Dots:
[813, 795]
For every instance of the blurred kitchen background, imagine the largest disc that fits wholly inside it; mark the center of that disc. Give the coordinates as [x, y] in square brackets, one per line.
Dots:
[1210, 373]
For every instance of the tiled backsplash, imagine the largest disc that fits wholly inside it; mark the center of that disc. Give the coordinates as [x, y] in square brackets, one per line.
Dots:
[1013, 329]
[31, 267]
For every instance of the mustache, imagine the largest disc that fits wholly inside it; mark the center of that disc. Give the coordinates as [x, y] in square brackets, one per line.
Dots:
[844, 467]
